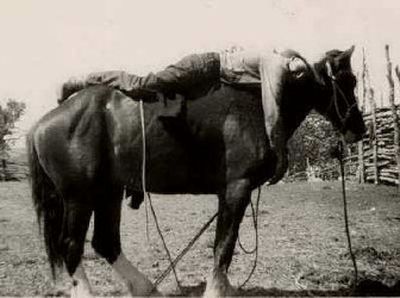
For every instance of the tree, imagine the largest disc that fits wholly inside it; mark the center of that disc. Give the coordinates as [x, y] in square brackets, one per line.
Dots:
[9, 115]
[312, 141]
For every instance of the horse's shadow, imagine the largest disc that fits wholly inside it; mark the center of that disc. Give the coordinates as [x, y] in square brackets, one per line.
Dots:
[366, 287]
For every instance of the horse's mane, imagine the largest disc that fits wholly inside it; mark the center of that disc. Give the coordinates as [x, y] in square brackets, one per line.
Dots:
[332, 54]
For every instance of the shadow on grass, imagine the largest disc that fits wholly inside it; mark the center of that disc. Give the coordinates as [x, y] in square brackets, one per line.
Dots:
[366, 287]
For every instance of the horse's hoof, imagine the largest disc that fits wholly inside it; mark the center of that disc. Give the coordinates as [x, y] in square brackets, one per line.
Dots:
[155, 293]
[216, 293]
[80, 292]
[145, 289]
[219, 287]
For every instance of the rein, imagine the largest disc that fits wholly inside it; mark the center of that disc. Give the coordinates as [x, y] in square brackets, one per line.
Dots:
[339, 155]
[336, 88]
[149, 198]
[254, 212]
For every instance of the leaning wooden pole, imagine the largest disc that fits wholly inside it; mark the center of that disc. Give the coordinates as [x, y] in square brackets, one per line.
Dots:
[394, 112]
[389, 77]
[364, 75]
[361, 102]
[373, 136]
[370, 94]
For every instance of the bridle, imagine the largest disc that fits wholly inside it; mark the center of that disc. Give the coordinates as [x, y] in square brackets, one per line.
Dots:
[336, 89]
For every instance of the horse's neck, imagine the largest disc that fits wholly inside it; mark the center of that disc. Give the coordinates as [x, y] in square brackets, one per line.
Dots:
[293, 120]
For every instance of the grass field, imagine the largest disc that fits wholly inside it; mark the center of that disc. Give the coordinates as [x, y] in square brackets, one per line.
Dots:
[303, 249]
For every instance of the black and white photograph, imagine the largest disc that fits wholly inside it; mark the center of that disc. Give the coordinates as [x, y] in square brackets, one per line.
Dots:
[199, 148]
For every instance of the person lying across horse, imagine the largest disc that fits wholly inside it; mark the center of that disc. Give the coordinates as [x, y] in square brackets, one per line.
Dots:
[269, 70]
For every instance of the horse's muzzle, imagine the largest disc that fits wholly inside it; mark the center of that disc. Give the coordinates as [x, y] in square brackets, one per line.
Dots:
[352, 137]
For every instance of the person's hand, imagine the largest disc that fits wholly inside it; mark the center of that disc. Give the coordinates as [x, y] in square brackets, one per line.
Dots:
[281, 167]
[297, 67]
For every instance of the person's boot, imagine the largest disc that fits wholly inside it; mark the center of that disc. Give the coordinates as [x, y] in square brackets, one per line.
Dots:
[173, 108]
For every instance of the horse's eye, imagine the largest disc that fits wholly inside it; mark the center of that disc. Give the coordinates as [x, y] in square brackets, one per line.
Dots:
[347, 79]
[352, 81]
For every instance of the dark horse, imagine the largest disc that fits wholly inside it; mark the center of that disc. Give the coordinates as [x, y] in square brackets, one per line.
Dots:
[85, 151]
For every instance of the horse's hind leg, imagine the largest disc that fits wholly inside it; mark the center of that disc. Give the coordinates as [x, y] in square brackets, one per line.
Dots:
[232, 205]
[77, 217]
[106, 242]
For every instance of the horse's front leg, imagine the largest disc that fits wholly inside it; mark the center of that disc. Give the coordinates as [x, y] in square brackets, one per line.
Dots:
[232, 205]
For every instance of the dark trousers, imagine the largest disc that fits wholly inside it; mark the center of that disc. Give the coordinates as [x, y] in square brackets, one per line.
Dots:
[188, 76]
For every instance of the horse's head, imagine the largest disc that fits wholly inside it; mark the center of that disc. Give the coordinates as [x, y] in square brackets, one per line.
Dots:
[335, 98]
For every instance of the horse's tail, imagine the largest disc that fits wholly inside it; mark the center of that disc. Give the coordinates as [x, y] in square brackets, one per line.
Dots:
[71, 87]
[49, 207]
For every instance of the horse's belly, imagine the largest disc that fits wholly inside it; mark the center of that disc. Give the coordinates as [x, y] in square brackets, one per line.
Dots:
[172, 169]
[170, 165]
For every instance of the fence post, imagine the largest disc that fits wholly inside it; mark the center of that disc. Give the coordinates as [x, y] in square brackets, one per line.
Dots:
[369, 92]
[360, 144]
[4, 168]
[394, 113]
[374, 136]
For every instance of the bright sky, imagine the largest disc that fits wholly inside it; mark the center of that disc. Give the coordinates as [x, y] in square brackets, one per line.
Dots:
[44, 42]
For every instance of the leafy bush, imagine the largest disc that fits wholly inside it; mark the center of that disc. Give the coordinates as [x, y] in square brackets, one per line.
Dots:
[9, 115]
[312, 141]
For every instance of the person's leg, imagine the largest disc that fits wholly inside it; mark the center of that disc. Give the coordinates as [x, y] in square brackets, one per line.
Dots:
[121, 80]
[177, 78]
[191, 71]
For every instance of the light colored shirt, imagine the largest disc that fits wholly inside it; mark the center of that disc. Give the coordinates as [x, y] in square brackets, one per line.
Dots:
[265, 70]
[240, 67]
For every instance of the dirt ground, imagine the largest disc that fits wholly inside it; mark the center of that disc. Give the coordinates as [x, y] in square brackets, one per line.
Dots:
[302, 252]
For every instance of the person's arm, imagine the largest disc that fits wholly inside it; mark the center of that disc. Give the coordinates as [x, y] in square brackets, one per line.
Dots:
[274, 67]
[272, 70]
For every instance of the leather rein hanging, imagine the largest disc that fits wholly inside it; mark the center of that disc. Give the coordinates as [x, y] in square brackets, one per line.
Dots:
[336, 89]
[340, 156]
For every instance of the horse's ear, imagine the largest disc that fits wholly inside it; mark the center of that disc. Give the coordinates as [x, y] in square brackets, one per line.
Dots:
[342, 61]
[347, 53]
